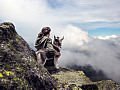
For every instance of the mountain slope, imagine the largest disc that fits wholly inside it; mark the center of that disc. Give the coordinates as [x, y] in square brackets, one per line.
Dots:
[19, 68]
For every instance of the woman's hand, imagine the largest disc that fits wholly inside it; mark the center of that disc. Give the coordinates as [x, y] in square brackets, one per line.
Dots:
[57, 54]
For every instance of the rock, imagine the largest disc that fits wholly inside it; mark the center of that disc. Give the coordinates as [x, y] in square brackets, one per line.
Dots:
[89, 87]
[19, 68]
[69, 78]
[107, 85]
[90, 72]
[76, 80]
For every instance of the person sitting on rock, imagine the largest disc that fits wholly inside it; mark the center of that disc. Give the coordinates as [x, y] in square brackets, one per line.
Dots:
[45, 50]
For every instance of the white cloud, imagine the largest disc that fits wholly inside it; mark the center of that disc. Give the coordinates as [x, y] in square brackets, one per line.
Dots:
[39, 13]
[74, 36]
[103, 54]
[29, 16]
[90, 11]
[106, 37]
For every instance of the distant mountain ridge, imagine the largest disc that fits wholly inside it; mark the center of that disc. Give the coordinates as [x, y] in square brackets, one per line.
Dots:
[19, 69]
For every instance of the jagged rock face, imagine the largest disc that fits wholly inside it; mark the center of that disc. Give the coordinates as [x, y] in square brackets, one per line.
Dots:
[18, 64]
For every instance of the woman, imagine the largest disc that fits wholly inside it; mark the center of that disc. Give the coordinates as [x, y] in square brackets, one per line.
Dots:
[44, 42]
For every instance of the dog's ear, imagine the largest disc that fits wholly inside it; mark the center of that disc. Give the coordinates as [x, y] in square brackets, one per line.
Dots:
[54, 37]
[62, 38]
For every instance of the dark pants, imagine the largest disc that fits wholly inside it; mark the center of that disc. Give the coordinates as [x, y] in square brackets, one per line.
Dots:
[49, 62]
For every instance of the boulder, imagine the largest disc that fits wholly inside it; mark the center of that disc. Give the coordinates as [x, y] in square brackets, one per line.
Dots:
[19, 68]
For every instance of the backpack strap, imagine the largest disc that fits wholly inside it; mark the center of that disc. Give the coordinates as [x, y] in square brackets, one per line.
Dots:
[45, 43]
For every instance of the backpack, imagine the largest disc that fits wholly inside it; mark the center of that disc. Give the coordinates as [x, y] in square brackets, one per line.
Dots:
[43, 54]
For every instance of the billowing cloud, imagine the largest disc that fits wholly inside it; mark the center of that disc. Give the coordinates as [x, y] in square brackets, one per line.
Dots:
[100, 52]
[29, 16]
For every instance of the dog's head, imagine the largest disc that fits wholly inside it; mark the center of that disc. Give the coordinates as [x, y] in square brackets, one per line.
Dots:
[58, 41]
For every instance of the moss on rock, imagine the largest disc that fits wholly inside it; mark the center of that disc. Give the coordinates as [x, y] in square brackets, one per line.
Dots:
[76, 80]
[68, 78]
[19, 69]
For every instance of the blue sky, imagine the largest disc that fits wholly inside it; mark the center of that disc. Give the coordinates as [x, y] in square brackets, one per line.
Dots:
[105, 15]
[104, 32]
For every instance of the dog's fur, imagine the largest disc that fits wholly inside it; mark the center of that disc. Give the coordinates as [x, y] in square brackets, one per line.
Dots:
[41, 57]
[57, 43]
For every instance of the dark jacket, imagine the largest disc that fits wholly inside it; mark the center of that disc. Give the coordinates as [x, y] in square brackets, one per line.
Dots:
[45, 42]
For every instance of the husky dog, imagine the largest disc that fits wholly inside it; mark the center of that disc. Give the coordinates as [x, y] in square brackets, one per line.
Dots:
[57, 43]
